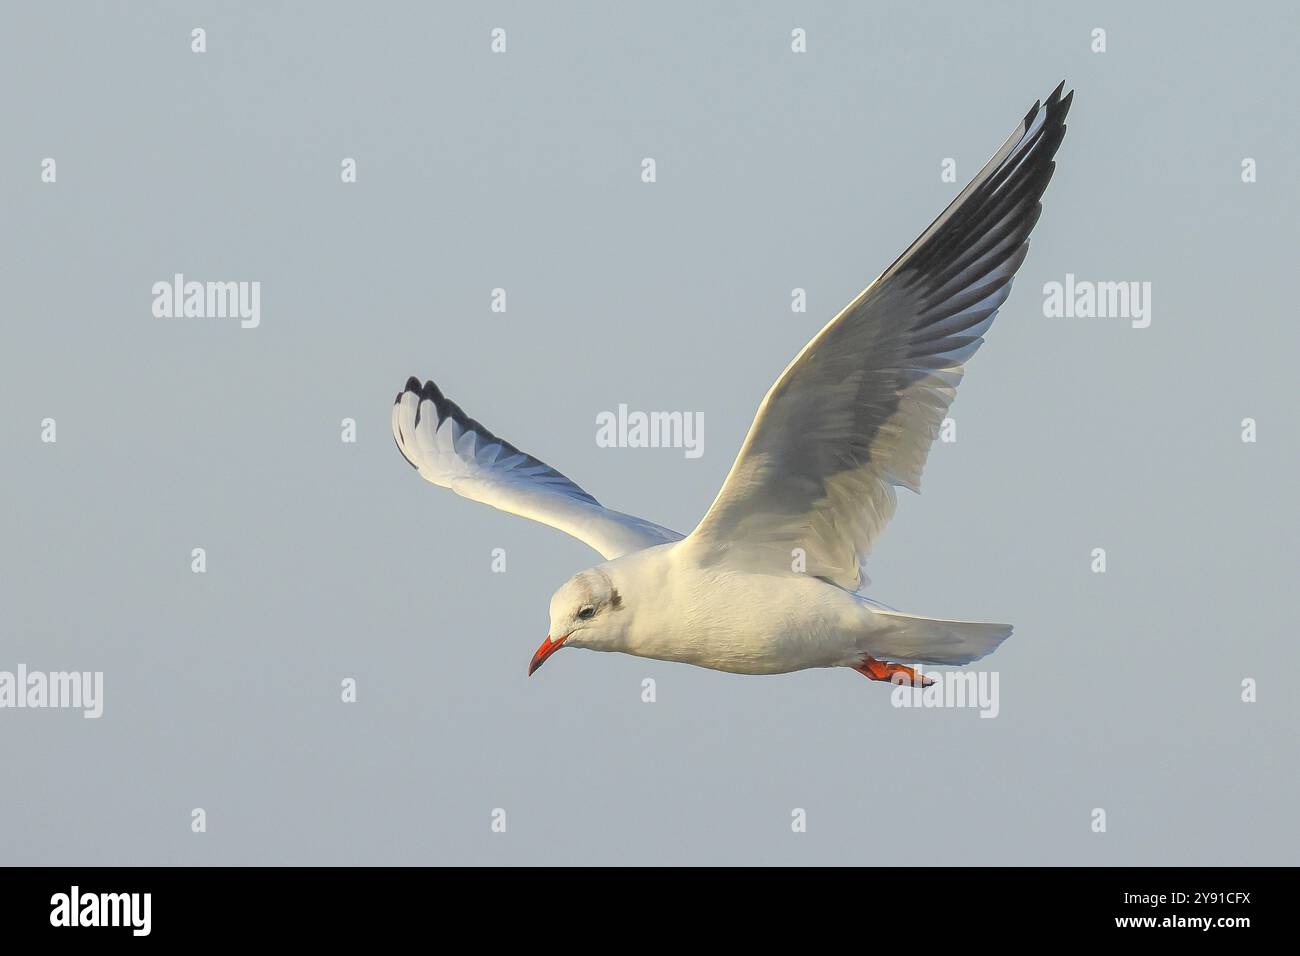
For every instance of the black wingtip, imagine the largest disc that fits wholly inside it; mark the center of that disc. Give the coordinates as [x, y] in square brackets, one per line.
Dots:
[1055, 104]
[412, 385]
[431, 392]
[1065, 103]
[428, 390]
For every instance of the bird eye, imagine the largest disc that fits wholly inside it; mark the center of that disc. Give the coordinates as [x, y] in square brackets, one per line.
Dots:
[586, 612]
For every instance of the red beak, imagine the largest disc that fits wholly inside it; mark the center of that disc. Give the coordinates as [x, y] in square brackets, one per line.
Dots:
[548, 648]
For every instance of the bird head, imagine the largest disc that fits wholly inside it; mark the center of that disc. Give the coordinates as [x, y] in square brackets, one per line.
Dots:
[584, 613]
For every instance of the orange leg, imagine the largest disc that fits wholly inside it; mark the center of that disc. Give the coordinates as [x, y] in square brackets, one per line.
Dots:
[873, 669]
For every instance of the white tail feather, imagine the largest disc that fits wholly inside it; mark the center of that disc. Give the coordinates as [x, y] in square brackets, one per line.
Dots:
[908, 639]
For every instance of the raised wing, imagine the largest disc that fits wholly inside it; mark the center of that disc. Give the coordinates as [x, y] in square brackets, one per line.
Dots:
[451, 449]
[857, 410]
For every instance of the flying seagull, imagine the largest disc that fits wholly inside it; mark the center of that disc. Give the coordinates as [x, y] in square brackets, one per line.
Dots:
[771, 579]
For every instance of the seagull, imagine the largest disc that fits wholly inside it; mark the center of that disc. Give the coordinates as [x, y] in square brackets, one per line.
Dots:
[771, 580]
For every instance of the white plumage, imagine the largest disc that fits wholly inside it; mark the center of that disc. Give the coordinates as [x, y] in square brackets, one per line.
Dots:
[852, 417]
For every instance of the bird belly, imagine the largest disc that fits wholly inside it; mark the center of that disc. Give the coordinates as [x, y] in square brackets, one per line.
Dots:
[757, 624]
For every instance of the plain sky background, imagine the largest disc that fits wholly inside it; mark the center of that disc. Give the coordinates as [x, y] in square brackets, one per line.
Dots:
[775, 170]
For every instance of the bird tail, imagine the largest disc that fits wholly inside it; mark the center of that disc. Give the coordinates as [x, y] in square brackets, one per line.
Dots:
[925, 640]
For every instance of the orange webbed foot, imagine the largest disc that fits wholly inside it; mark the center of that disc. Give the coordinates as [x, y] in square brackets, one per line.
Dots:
[873, 669]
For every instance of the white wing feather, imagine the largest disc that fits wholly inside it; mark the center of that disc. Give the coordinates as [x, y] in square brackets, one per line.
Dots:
[855, 413]
[452, 450]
